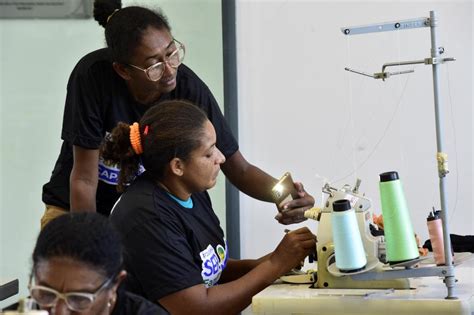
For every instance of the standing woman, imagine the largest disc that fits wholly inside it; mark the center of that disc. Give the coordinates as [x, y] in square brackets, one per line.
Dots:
[78, 268]
[175, 249]
[141, 65]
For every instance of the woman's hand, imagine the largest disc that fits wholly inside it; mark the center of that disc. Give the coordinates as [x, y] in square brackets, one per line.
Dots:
[293, 211]
[293, 248]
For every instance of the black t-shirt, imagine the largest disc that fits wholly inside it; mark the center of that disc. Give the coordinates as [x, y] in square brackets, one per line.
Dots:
[130, 304]
[97, 99]
[168, 247]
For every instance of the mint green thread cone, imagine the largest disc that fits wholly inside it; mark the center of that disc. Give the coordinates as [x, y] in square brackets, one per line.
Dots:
[398, 229]
[348, 246]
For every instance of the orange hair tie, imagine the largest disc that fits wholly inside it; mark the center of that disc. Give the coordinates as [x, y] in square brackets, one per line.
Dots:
[135, 139]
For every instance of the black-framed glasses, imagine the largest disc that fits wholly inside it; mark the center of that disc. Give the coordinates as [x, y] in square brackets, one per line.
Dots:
[75, 301]
[155, 72]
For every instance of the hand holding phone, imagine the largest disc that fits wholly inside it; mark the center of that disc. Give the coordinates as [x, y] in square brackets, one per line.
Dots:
[284, 191]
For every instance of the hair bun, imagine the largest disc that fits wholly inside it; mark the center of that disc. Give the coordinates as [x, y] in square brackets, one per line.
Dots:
[103, 10]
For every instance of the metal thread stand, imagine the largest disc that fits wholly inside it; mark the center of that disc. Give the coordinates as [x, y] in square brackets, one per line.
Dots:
[447, 271]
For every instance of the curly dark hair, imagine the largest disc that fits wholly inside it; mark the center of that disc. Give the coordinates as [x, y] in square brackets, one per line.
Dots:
[86, 237]
[124, 28]
[175, 128]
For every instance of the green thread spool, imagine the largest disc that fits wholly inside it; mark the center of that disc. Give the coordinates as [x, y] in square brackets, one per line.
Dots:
[399, 234]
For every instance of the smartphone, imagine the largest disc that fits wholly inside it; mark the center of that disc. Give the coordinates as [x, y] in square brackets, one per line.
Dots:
[284, 191]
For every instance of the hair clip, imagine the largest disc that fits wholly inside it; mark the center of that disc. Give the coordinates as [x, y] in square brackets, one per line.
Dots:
[135, 139]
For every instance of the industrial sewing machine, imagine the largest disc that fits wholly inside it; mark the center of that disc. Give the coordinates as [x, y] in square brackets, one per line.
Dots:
[379, 287]
[377, 274]
[327, 275]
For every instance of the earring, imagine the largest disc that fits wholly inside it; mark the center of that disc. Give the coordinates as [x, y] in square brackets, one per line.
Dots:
[110, 303]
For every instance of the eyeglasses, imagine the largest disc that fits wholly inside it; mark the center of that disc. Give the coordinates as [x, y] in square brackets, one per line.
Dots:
[75, 301]
[155, 72]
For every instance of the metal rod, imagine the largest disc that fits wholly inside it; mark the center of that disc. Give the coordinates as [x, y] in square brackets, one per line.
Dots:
[359, 72]
[449, 279]
[386, 26]
[401, 63]
[402, 72]
[439, 271]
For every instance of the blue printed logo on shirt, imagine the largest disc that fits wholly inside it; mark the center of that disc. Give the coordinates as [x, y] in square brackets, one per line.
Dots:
[213, 264]
[109, 173]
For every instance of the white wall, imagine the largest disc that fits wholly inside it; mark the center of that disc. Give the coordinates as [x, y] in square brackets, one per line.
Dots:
[36, 58]
[299, 111]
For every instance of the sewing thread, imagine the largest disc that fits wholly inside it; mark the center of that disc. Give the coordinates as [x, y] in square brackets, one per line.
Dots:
[399, 236]
[435, 230]
[348, 247]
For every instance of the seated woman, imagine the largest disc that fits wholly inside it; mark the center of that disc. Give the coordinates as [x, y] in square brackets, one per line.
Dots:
[77, 269]
[175, 248]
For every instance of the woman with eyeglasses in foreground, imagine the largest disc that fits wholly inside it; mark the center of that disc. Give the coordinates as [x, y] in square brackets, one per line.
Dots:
[78, 268]
[141, 65]
[175, 249]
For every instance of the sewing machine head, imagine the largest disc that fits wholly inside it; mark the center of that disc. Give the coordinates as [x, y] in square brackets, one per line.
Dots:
[372, 239]
[362, 206]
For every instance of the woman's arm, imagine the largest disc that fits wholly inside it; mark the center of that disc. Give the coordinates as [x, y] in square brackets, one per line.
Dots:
[234, 296]
[83, 180]
[248, 178]
[237, 268]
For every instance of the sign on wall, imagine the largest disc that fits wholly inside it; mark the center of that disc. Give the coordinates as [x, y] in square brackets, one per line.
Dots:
[45, 9]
